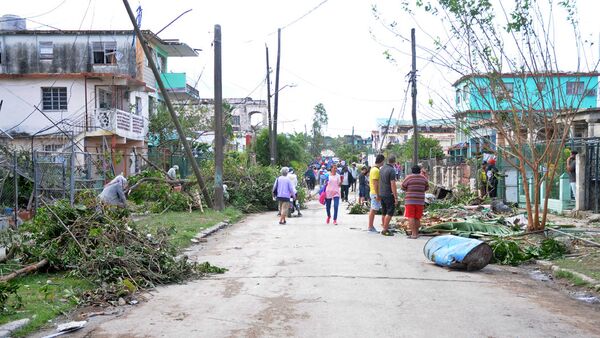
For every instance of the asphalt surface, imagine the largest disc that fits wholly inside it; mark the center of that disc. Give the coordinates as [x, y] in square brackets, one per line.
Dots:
[310, 279]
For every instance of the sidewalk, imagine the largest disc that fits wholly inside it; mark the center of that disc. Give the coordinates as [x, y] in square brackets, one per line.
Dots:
[309, 279]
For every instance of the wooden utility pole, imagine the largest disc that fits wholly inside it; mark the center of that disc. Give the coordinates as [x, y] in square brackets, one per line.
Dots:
[165, 95]
[219, 140]
[413, 79]
[274, 154]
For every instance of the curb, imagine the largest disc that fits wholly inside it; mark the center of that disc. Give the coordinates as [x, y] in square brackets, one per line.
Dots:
[201, 236]
[554, 268]
[7, 329]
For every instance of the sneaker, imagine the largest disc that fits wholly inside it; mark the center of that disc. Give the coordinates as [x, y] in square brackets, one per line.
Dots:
[334, 222]
[327, 221]
[372, 229]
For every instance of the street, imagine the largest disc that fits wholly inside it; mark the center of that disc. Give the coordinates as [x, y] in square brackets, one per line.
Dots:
[309, 279]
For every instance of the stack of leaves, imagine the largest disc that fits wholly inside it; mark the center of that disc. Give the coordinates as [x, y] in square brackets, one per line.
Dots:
[469, 229]
[514, 252]
[103, 246]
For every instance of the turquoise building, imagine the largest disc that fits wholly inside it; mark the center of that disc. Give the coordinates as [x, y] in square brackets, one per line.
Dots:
[478, 96]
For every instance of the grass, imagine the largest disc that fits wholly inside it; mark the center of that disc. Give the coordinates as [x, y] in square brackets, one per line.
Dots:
[43, 301]
[588, 265]
[187, 225]
[44, 297]
[577, 281]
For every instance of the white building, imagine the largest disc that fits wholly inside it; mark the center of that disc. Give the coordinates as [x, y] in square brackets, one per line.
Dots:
[94, 85]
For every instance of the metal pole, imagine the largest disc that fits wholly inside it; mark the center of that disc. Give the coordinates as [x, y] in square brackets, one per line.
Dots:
[35, 180]
[414, 97]
[16, 179]
[165, 95]
[72, 182]
[218, 203]
[275, 113]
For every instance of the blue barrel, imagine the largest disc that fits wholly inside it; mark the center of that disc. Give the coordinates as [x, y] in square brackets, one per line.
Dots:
[458, 252]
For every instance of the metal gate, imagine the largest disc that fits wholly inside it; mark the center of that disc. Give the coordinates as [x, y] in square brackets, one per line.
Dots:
[592, 174]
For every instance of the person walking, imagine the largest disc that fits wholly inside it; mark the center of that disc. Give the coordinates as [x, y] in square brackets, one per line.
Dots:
[283, 190]
[309, 178]
[571, 169]
[415, 185]
[345, 176]
[322, 176]
[332, 194]
[363, 185]
[354, 175]
[374, 191]
[294, 200]
[388, 193]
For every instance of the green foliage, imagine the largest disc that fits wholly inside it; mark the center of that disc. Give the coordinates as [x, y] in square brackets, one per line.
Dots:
[427, 146]
[576, 280]
[8, 291]
[358, 209]
[513, 252]
[290, 148]
[206, 267]
[158, 192]
[162, 130]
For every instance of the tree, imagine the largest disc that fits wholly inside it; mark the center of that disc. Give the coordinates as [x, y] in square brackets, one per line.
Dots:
[161, 129]
[487, 42]
[320, 120]
[428, 147]
[291, 149]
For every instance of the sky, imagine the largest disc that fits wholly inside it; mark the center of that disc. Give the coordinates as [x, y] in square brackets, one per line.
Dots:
[331, 50]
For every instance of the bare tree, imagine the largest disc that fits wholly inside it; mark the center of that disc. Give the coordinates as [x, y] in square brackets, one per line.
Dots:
[507, 63]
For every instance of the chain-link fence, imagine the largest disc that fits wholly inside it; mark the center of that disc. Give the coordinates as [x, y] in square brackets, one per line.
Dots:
[9, 190]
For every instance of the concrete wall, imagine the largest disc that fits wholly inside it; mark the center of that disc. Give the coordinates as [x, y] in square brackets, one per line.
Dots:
[450, 176]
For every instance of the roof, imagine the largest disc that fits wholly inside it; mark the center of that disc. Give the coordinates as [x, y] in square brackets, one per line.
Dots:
[394, 122]
[171, 46]
[526, 75]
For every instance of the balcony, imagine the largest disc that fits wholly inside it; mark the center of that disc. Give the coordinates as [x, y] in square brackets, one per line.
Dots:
[179, 90]
[120, 122]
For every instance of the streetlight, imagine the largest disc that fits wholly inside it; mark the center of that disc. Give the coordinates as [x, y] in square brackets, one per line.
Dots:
[290, 85]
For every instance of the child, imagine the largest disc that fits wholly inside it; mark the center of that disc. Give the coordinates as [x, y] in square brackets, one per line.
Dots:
[363, 185]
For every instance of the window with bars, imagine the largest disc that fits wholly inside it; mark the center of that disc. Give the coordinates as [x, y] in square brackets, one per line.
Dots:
[54, 98]
[575, 88]
[104, 52]
[235, 120]
[46, 50]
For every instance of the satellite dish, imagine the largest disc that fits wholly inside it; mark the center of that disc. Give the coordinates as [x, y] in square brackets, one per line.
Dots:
[118, 55]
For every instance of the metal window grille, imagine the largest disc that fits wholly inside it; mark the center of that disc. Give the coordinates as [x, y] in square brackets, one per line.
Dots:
[54, 98]
[46, 50]
[575, 88]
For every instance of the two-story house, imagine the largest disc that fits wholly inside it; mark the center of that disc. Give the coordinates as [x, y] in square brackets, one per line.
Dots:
[91, 86]
[400, 131]
[478, 96]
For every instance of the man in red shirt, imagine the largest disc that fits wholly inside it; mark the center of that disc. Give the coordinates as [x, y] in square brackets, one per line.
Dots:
[415, 186]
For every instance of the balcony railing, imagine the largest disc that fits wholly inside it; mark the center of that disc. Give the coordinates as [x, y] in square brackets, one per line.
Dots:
[120, 122]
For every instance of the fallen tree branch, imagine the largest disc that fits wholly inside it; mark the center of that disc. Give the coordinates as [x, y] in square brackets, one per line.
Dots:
[155, 179]
[578, 238]
[67, 228]
[150, 163]
[28, 269]
[9, 254]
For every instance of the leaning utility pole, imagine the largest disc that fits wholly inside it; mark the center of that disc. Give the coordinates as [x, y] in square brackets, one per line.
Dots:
[413, 79]
[161, 86]
[219, 204]
[272, 156]
[274, 140]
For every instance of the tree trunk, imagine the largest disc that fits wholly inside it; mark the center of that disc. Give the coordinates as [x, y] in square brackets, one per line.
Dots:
[25, 270]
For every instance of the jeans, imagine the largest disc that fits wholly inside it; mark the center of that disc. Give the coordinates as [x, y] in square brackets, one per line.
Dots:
[336, 204]
[345, 192]
[573, 189]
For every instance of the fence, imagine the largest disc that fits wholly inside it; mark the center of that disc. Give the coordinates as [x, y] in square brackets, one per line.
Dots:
[9, 190]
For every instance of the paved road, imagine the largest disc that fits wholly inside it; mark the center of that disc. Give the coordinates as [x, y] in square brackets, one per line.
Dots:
[309, 279]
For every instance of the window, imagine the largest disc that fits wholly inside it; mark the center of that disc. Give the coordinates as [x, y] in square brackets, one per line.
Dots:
[104, 52]
[504, 90]
[151, 105]
[458, 96]
[590, 92]
[54, 98]
[236, 120]
[575, 88]
[46, 50]
[52, 147]
[138, 105]
[104, 99]
[483, 91]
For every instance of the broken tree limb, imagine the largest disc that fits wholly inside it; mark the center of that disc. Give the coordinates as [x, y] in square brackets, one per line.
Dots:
[576, 237]
[28, 269]
[66, 228]
[153, 165]
[155, 179]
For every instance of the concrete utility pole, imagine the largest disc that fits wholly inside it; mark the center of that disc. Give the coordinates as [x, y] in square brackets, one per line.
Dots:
[274, 140]
[272, 156]
[219, 203]
[161, 86]
[413, 79]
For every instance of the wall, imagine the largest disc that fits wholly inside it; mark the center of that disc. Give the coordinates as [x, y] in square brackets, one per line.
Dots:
[72, 53]
[450, 176]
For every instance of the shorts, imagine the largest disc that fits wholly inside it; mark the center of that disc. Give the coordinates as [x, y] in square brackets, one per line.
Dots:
[413, 211]
[388, 207]
[375, 204]
[284, 206]
[362, 192]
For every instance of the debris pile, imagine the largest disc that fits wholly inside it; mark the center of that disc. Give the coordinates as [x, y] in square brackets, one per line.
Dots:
[103, 246]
